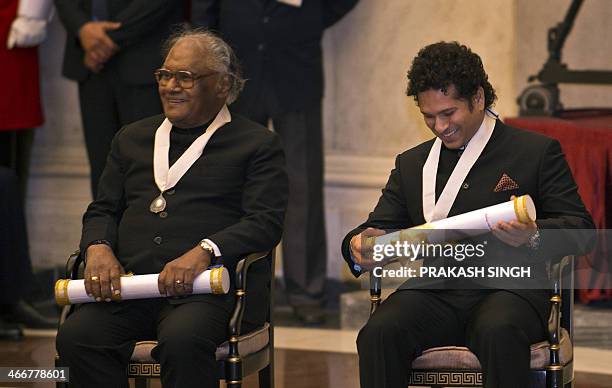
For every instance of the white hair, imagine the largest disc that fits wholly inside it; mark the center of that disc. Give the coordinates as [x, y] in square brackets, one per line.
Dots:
[223, 58]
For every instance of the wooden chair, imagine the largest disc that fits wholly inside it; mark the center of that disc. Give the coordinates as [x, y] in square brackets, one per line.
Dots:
[551, 361]
[241, 355]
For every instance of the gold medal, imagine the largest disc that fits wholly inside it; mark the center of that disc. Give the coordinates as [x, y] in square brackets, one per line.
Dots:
[158, 204]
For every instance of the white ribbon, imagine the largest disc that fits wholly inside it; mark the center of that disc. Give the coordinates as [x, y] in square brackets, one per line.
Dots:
[433, 210]
[167, 177]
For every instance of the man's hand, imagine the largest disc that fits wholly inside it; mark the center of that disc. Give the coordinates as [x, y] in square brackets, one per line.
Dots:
[90, 63]
[514, 233]
[99, 47]
[362, 254]
[102, 271]
[177, 276]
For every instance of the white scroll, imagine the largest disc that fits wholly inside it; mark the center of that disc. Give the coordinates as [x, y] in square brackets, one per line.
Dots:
[521, 209]
[212, 281]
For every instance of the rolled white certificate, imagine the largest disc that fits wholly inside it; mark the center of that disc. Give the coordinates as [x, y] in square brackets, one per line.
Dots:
[212, 281]
[476, 222]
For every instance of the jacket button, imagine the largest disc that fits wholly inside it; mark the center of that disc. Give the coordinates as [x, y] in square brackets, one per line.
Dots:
[261, 47]
[265, 19]
[163, 214]
[465, 186]
[157, 240]
[170, 192]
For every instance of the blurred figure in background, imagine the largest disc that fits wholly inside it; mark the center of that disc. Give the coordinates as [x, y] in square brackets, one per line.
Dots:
[112, 49]
[23, 26]
[279, 45]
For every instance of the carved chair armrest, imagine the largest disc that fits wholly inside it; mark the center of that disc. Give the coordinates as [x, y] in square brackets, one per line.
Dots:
[242, 269]
[559, 312]
[73, 265]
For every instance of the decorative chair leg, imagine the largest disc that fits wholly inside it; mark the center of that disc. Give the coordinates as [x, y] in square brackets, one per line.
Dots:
[233, 372]
[58, 364]
[141, 382]
[265, 378]
[554, 377]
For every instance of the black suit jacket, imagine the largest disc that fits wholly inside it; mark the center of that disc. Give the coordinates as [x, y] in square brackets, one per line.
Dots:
[276, 43]
[235, 194]
[537, 164]
[145, 24]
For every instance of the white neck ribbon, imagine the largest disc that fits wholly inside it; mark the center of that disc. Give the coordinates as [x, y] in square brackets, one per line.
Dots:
[167, 177]
[433, 211]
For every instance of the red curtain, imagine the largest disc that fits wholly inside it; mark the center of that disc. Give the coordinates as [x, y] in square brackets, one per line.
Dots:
[586, 140]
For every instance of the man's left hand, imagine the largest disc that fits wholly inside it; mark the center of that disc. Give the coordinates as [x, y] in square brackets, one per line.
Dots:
[514, 233]
[176, 279]
[91, 63]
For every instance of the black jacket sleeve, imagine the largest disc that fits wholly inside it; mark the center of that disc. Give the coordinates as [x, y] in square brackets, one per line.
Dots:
[205, 13]
[138, 19]
[566, 227]
[390, 213]
[102, 217]
[264, 203]
[71, 15]
[334, 10]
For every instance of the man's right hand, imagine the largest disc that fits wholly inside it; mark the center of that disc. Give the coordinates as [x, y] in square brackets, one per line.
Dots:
[102, 271]
[96, 42]
[362, 253]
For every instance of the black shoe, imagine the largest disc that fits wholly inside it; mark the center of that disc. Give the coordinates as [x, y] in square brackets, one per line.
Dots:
[25, 314]
[310, 315]
[10, 331]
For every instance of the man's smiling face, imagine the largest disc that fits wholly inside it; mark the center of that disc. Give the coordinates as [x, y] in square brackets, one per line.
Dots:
[453, 120]
[191, 107]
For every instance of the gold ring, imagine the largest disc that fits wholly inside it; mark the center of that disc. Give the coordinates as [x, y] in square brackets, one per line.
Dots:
[94, 278]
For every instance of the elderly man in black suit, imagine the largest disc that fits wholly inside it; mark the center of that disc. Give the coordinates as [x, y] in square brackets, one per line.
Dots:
[194, 186]
[474, 161]
[112, 46]
[279, 45]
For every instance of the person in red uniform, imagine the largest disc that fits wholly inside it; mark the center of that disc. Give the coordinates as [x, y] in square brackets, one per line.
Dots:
[22, 28]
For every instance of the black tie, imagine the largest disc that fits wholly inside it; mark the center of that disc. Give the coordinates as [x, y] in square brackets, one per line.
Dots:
[99, 10]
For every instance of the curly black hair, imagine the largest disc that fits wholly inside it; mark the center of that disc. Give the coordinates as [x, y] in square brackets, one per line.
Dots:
[443, 64]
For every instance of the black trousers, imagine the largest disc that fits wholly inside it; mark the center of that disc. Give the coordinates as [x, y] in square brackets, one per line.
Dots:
[107, 104]
[497, 326]
[97, 340]
[304, 239]
[16, 278]
[15, 153]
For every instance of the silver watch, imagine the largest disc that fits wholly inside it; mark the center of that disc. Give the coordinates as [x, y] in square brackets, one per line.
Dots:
[534, 240]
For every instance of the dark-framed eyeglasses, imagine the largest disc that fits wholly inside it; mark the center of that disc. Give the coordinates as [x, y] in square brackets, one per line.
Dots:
[185, 79]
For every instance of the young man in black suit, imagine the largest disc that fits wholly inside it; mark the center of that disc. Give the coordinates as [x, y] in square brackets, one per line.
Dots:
[473, 162]
[112, 47]
[181, 191]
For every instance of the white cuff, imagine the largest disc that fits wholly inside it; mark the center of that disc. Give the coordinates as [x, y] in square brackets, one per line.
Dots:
[36, 9]
[214, 247]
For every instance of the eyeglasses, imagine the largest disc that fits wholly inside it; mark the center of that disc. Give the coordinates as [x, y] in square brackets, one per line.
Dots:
[185, 79]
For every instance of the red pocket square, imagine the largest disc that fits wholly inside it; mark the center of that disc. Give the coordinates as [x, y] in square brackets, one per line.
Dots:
[505, 183]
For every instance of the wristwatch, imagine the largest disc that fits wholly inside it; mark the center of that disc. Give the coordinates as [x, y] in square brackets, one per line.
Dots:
[534, 240]
[208, 248]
